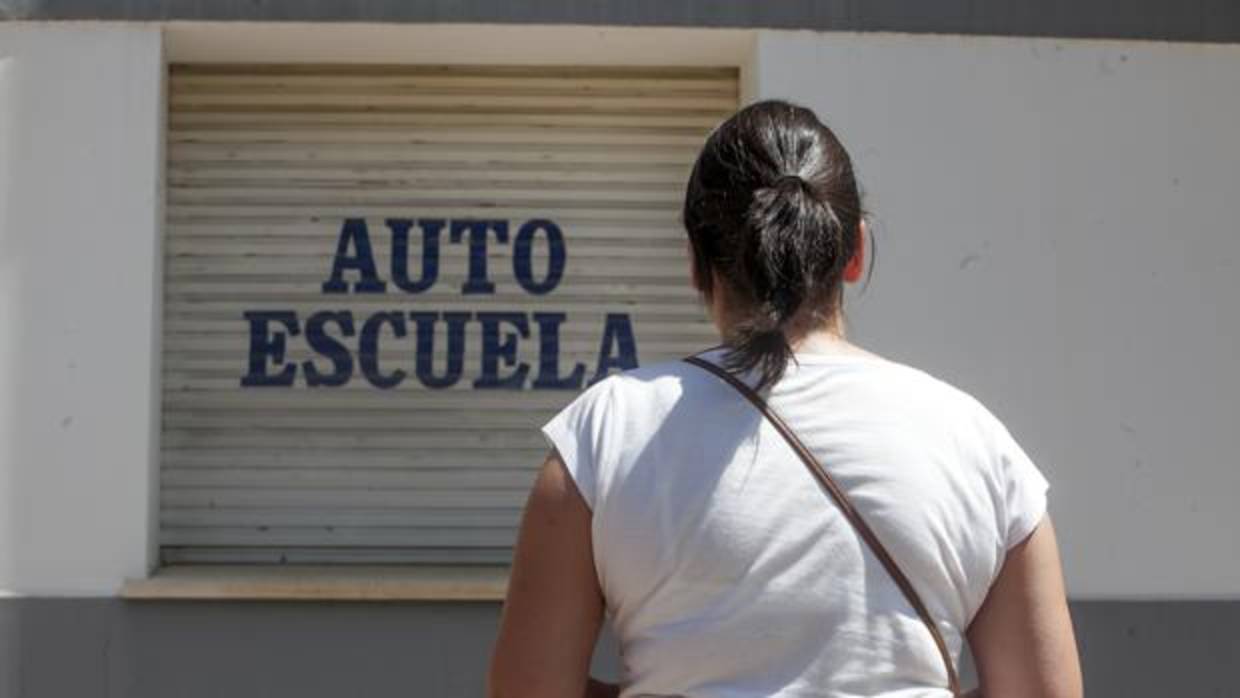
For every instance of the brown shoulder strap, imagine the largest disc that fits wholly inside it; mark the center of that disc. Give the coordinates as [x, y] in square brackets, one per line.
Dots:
[850, 512]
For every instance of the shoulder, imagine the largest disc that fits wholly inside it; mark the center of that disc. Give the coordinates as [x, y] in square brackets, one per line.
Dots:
[667, 378]
[1013, 483]
[636, 393]
[646, 391]
[967, 406]
[920, 384]
[949, 407]
[603, 426]
[1017, 482]
[657, 379]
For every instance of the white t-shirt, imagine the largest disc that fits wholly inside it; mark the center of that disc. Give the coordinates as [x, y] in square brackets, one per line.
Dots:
[728, 571]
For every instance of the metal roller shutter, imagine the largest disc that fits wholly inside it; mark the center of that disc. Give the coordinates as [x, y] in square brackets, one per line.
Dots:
[279, 175]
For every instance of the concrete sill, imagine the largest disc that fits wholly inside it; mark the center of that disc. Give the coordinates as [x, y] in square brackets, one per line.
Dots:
[322, 583]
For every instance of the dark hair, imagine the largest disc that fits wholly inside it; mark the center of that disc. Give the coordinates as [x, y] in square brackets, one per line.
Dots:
[772, 208]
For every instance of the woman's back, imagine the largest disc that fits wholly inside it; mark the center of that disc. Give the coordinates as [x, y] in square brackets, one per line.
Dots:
[669, 501]
[727, 570]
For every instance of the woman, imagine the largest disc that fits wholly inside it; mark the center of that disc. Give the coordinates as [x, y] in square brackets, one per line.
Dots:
[669, 503]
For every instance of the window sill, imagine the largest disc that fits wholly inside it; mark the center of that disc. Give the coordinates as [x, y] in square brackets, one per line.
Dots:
[319, 582]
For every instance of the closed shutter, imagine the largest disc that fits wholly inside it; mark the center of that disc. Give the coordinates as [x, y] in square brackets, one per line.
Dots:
[297, 424]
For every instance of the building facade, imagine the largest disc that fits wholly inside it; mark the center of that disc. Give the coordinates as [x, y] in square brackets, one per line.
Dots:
[286, 288]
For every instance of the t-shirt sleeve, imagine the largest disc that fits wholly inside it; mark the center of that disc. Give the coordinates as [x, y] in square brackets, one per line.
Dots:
[577, 433]
[1021, 487]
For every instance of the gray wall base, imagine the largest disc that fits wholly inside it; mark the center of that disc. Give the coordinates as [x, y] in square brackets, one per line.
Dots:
[110, 648]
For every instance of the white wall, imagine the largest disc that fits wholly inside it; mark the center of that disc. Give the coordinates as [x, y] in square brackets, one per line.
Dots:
[1057, 234]
[80, 228]
[79, 203]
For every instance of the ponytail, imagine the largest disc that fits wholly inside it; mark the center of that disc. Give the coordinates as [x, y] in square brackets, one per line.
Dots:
[759, 212]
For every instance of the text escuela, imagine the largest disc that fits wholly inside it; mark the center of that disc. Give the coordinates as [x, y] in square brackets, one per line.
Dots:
[325, 331]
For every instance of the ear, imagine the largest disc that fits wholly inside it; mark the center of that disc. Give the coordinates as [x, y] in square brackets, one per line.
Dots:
[852, 272]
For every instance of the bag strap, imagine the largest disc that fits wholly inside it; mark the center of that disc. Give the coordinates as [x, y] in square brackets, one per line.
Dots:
[850, 512]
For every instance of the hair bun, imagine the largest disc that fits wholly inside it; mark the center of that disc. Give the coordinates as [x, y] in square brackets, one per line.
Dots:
[787, 180]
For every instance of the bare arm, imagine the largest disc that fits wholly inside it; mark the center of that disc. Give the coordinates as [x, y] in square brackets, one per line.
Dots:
[1022, 638]
[554, 607]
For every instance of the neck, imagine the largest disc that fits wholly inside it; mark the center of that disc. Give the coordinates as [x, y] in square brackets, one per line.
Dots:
[810, 333]
[822, 339]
